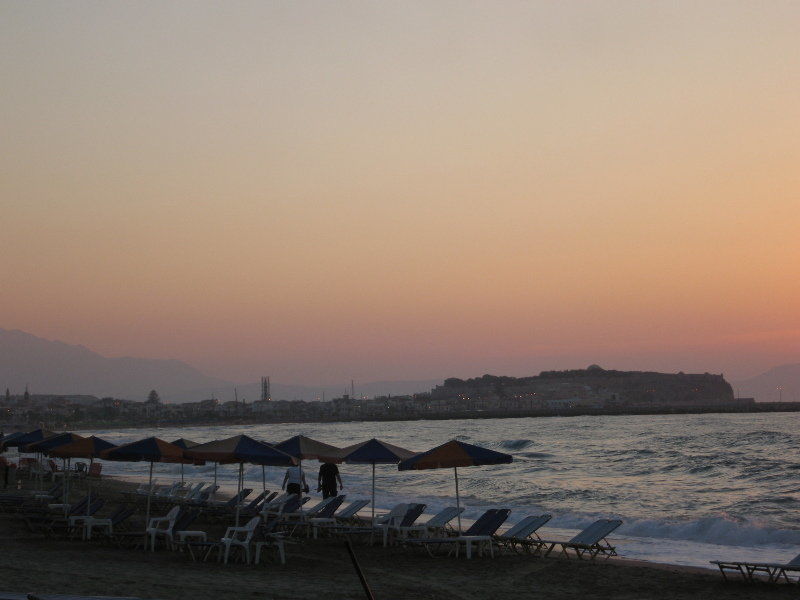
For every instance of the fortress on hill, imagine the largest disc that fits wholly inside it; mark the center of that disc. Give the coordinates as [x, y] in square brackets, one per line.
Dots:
[593, 387]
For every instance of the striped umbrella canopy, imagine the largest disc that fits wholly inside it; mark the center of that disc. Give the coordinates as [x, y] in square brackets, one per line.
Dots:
[304, 448]
[184, 443]
[37, 435]
[374, 452]
[90, 447]
[152, 450]
[11, 437]
[241, 449]
[52, 442]
[454, 454]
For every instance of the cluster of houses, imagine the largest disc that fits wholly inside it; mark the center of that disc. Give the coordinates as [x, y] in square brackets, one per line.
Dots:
[592, 389]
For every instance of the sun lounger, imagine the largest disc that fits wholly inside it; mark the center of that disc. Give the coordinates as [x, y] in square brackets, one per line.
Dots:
[107, 525]
[590, 542]
[413, 512]
[522, 535]
[344, 516]
[753, 571]
[479, 534]
[437, 524]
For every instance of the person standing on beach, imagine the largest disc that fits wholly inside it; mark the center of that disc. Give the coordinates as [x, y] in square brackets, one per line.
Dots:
[294, 482]
[327, 478]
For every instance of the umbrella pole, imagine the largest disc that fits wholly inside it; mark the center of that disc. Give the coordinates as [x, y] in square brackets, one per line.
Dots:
[264, 478]
[181, 474]
[458, 500]
[147, 512]
[239, 490]
[373, 494]
[213, 493]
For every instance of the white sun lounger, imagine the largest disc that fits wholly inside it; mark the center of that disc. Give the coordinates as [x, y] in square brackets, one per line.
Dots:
[522, 534]
[748, 570]
[589, 542]
[436, 524]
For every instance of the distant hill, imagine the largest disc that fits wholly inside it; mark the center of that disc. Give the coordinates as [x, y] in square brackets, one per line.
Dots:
[765, 387]
[51, 367]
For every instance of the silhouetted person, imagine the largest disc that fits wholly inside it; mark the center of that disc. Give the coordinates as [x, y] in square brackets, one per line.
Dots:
[294, 482]
[327, 478]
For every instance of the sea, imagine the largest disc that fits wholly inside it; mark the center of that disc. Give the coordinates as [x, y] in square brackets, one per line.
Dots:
[689, 488]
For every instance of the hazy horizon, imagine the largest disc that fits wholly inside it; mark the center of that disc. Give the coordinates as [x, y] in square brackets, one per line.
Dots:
[393, 191]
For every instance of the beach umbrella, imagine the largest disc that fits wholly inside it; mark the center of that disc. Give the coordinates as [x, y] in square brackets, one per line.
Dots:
[454, 454]
[45, 445]
[184, 443]
[150, 450]
[304, 448]
[241, 449]
[48, 444]
[89, 448]
[37, 435]
[374, 452]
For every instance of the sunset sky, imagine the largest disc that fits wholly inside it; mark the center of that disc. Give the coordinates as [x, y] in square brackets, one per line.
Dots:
[320, 191]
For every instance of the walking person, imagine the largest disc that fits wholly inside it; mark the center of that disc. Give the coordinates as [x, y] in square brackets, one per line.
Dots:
[327, 479]
[294, 482]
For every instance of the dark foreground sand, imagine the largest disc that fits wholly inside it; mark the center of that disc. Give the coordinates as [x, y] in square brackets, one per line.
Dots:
[322, 569]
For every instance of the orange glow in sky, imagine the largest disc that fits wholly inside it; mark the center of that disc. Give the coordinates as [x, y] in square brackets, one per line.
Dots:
[407, 190]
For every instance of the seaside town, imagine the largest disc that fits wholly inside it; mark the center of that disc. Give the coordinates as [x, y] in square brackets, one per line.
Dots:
[580, 391]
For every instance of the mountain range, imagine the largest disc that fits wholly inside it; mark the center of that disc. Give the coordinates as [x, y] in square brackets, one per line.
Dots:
[52, 367]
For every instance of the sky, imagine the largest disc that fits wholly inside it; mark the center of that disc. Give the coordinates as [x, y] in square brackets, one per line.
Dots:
[321, 191]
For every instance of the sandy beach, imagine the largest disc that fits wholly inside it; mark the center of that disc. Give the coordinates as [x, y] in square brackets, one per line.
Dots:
[322, 568]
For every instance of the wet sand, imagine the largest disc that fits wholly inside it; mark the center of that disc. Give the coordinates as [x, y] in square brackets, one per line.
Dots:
[322, 569]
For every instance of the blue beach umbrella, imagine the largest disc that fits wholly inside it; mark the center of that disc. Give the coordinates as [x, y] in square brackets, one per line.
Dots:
[150, 450]
[454, 454]
[31, 437]
[374, 452]
[241, 449]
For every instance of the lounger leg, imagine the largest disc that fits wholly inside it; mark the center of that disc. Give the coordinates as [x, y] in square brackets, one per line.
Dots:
[469, 549]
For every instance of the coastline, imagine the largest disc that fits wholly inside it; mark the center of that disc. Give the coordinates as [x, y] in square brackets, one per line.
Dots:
[322, 567]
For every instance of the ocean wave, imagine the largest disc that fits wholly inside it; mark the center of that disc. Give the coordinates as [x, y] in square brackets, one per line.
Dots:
[515, 444]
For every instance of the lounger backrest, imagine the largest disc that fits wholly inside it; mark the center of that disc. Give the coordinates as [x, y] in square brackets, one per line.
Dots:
[481, 522]
[293, 504]
[122, 516]
[185, 520]
[314, 510]
[96, 506]
[526, 527]
[79, 506]
[351, 509]
[270, 498]
[517, 530]
[397, 513]
[495, 522]
[443, 517]
[255, 502]
[794, 561]
[596, 531]
[412, 514]
[237, 499]
[331, 507]
[277, 500]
